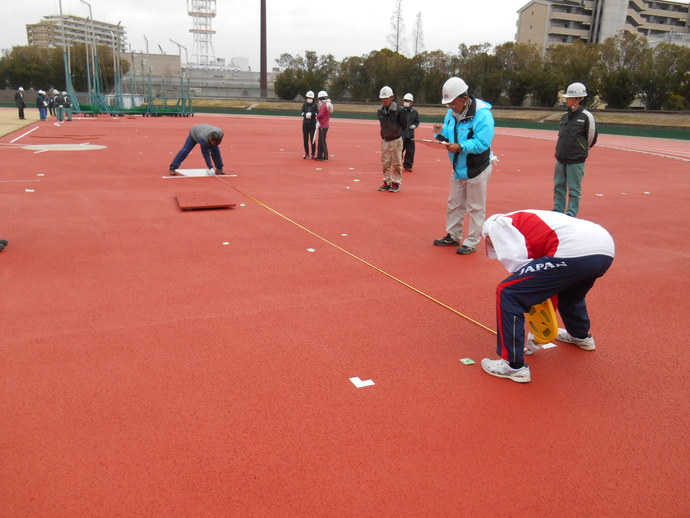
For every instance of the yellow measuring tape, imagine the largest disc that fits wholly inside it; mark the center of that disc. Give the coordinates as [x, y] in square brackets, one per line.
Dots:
[359, 258]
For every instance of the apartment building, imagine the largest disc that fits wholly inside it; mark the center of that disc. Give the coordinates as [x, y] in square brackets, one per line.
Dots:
[550, 22]
[57, 30]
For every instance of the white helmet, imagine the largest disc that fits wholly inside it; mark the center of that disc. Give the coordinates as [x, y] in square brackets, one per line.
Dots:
[408, 97]
[63, 93]
[310, 94]
[323, 94]
[453, 88]
[41, 92]
[386, 92]
[20, 89]
[575, 90]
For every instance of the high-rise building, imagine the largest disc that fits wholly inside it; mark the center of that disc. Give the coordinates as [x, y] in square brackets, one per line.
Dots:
[549, 22]
[58, 30]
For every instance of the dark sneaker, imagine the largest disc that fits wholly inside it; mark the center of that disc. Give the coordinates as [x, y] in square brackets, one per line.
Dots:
[385, 187]
[446, 241]
[172, 171]
[407, 169]
[219, 171]
[395, 187]
[465, 250]
[3, 244]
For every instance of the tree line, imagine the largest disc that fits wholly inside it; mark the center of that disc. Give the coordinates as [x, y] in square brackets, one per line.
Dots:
[616, 72]
[43, 68]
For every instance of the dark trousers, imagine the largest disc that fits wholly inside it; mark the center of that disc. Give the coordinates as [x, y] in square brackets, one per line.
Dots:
[538, 281]
[408, 153]
[323, 146]
[20, 109]
[308, 131]
[187, 148]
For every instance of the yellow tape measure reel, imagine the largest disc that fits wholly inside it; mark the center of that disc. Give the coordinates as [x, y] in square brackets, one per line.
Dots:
[543, 322]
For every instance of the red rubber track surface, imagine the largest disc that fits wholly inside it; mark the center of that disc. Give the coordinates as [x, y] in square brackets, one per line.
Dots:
[149, 369]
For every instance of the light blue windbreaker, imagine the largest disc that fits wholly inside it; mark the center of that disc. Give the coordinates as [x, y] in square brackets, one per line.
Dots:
[475, 134]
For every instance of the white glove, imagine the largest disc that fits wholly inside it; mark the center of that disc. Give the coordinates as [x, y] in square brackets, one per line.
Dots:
[211, 172]
[414, 126]
[308, 115]
[531, 346]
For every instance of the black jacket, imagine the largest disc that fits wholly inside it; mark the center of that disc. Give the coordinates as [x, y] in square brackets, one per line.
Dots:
[412, 120]
[392, 120]
[309, 108]
[577, 133]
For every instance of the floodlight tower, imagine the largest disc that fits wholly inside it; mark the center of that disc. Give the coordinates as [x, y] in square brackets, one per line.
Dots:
[202, 13]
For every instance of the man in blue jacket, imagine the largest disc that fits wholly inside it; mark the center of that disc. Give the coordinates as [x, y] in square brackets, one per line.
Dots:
[468, 131]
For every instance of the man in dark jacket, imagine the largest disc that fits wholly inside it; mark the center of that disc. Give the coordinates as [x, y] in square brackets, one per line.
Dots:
[19, 101]
[408, 132]
[209, 138]
[392, 120]
[309, 111]
[577, 133]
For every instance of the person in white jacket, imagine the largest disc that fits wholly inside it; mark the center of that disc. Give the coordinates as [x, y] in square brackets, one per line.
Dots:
[549, 254]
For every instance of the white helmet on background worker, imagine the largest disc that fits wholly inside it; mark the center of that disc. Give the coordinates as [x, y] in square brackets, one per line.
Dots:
[310, 95]
[323, 94]
[452, 89]
[386, 92]
[575, 90]
[408, 97]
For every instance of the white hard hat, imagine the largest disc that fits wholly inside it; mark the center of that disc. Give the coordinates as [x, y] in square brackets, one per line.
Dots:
[408, 97]
[323, 94]
[452, 89]
[63, 93]
[386, 92]
[20, 89]
[41, 92]
[310, 94]
[576, 90]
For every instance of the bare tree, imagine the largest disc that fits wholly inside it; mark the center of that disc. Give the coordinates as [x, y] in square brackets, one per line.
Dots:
[397, 35]
[417, 35]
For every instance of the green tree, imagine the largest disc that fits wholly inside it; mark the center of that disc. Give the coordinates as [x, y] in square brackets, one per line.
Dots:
[482, 71]
[576, 63]
[618, 58]
[300, 74]
[660, 72]
[520, 62]
[436, 67]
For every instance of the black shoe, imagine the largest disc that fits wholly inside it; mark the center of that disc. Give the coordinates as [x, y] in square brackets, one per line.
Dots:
[465, 250]
[172, 171]
[219, 171]
[395, 187]
[385, 187]
[305, 156]
[3, 244]
[446, 241]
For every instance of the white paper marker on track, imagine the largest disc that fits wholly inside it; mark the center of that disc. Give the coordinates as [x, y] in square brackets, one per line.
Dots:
[359, 383]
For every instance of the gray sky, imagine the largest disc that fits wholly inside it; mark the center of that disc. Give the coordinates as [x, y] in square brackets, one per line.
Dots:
[339, 27]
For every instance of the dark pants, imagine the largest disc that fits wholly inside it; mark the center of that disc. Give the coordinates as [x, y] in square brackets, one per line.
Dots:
[408, 153]
[323, 147]
[308, 131]
[20, 109]
[538, 281]
[187, 148]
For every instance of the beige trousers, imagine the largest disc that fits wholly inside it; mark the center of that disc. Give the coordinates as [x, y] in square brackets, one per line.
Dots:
[391, 160]
[467, 197]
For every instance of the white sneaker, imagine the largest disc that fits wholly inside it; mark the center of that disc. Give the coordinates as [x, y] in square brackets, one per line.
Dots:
[502, 369]
[583, 343]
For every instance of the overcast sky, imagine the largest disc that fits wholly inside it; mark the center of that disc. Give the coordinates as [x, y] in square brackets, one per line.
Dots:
[339, 27]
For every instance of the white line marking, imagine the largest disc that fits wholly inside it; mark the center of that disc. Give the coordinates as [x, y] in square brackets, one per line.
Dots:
[24, 135]
[359, 383]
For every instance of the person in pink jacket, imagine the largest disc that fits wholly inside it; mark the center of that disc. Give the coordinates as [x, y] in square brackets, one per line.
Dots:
[323, 117]
[549, 254]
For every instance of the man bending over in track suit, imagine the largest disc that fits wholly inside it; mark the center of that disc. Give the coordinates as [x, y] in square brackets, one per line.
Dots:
[209, 138]
[548, 254]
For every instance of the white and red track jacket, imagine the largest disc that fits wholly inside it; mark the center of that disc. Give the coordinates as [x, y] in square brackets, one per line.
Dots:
[519, 237]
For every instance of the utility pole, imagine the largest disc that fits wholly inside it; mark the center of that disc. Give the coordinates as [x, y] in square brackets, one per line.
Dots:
[263, 74]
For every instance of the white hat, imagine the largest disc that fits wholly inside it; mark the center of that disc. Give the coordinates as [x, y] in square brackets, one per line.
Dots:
[41, 92]
[310, 95]
[575, 90]
[323, 94]
[408, 97]
[20, 89]
[386, 92]
[453, 88]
